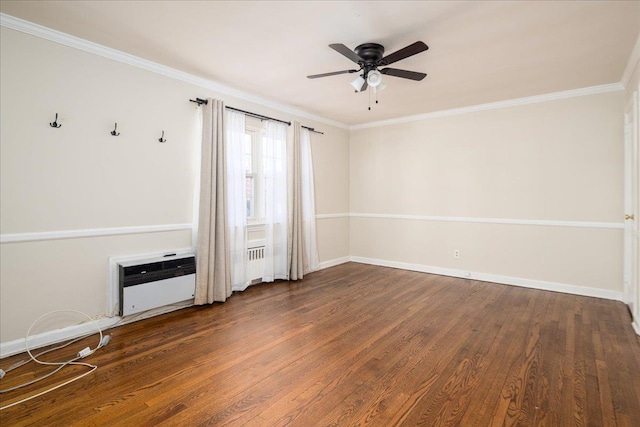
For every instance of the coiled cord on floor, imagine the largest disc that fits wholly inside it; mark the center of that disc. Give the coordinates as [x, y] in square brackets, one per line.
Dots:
[81, 354]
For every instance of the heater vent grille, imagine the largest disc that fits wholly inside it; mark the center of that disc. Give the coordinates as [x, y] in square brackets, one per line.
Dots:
[255, 262]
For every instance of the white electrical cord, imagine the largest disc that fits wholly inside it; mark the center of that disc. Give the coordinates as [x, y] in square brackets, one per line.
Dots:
[26, 344]
[104, 340]
[81, 354]
[24, 362]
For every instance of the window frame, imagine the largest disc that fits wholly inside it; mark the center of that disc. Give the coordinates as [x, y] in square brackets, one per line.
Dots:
[257, 130]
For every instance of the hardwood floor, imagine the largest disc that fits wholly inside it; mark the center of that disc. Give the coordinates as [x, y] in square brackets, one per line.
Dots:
[356, 345]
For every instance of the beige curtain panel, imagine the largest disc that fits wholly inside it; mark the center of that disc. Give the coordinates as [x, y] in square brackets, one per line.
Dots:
[213, 275]
[296, 247]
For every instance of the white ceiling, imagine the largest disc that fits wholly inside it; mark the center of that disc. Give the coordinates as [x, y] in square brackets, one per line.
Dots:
[479, 51]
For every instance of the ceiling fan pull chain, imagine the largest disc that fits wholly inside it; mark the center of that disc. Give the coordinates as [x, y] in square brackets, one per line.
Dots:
[369, 100]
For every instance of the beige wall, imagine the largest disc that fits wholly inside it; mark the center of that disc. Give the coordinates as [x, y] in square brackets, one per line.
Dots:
[559, 160]
[80, 177]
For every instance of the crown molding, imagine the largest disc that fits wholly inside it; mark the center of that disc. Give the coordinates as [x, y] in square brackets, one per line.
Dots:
[119, 56]
[59, 37]
[613, 87]
[631, 64]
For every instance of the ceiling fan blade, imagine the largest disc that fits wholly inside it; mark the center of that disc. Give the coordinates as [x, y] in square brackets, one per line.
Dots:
[335, 73]
[412, 75]
[403, 53]
[364, 87]
[342, 49]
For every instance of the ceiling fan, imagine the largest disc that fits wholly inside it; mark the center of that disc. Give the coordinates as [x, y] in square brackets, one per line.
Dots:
[369, 56]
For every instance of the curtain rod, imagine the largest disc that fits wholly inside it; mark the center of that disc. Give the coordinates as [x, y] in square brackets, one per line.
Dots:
[200, 101]
[248, 113]
[312, 130]
[258, 116]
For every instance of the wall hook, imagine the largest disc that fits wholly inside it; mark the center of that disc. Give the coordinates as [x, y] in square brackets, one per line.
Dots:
[55, 124]
[113, 132]
[162, 138]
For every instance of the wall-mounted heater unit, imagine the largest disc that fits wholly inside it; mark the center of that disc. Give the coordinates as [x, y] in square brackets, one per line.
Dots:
[156, 282]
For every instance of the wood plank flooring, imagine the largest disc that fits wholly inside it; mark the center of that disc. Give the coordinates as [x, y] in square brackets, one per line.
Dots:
[355, 345]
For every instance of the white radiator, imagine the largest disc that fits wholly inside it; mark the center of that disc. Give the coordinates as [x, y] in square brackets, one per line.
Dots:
[255, 262]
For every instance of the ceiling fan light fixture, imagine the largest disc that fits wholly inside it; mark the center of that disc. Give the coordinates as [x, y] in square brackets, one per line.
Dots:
[380, 87]
[374, 78]
[357, 83]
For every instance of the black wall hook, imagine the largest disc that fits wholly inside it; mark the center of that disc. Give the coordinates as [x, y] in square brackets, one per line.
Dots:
[162, 138]
[113, 132]
[55, 124]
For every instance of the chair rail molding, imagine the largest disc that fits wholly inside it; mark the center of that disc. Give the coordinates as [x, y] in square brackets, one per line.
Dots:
[512, 221]
[92, 232]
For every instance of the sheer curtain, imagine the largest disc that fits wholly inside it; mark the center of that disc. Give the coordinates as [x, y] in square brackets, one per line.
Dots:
[236, 204]
[303, 253]
[213, 276]
[275, 176]
[308, 203]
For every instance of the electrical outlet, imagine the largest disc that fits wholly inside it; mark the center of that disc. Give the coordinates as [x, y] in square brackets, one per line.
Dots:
[456, 253]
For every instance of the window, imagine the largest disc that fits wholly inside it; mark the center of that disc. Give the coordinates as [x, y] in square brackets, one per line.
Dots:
[253, 167]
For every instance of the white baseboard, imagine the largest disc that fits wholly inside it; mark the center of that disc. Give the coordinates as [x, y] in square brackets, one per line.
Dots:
[636, 326]
[333, 262]
[59, 335]
[51, 337]
[495, 278]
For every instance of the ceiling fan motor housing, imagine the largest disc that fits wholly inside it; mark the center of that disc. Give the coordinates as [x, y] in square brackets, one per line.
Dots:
[371, 53]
